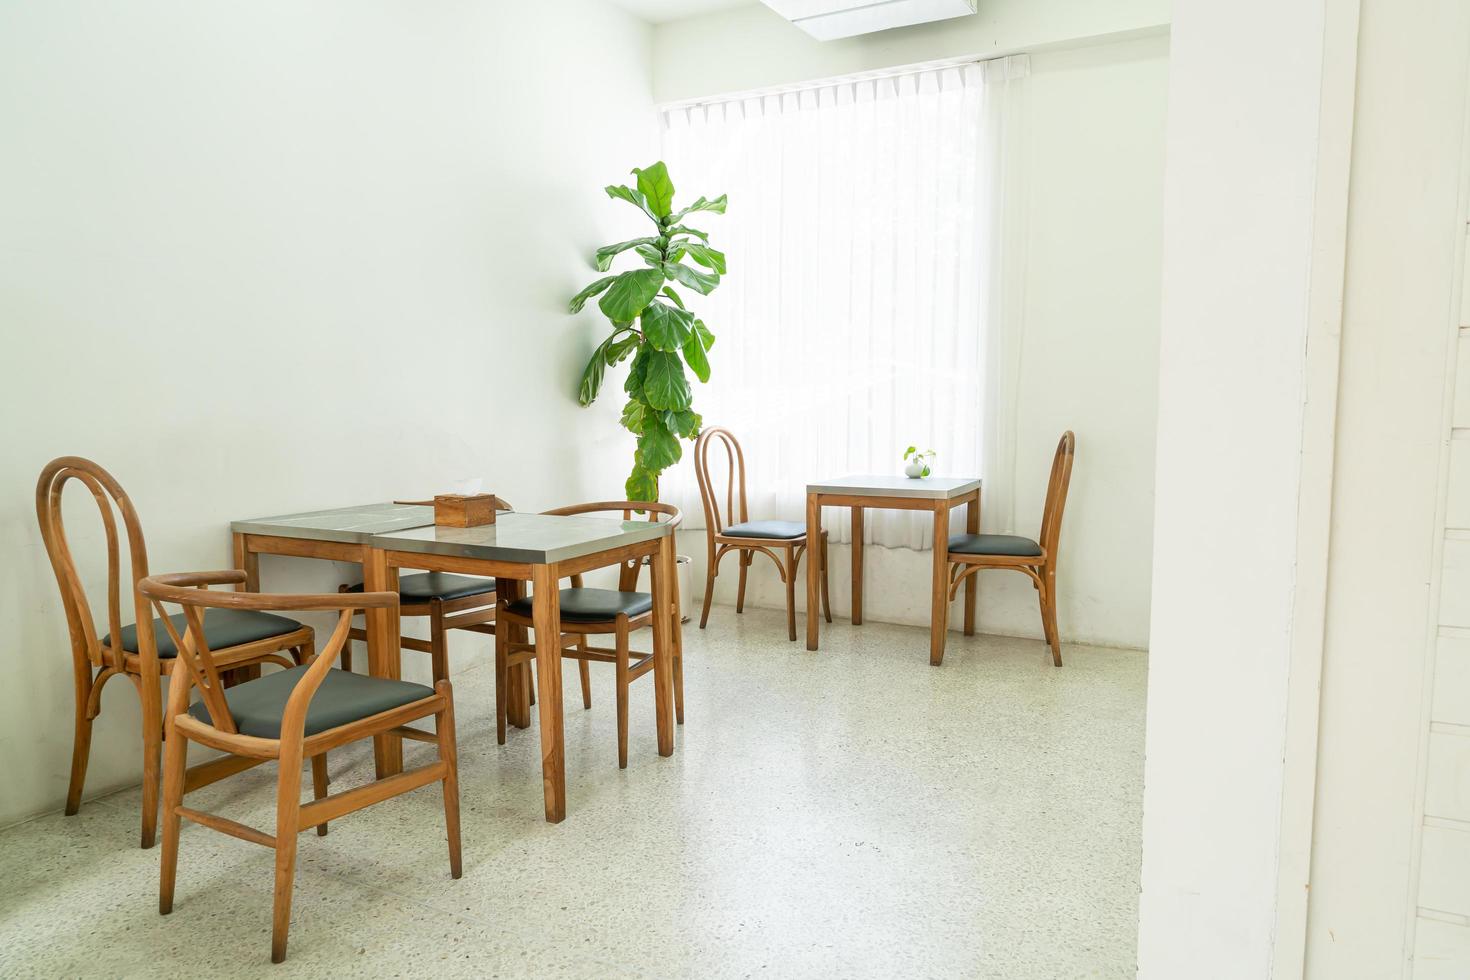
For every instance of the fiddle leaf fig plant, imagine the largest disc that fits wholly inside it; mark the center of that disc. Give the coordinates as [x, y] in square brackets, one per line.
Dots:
[651, 325]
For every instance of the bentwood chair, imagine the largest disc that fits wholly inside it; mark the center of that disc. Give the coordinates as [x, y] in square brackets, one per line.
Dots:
[140, 651]
[969, 553]
[744, 536]
[288, 716]
[590, 612]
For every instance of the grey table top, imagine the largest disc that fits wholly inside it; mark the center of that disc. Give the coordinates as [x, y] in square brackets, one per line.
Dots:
[929, 488]
[350, 525]
[536, 539]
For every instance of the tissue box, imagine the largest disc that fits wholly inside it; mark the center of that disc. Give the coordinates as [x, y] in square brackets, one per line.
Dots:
[458, 510]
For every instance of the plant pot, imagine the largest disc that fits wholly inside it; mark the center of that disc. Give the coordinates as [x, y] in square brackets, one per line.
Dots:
[914, 469]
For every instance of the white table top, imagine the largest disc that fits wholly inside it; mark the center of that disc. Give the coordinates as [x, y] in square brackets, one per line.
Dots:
[351, 525]
[929, 487]
[535, 539]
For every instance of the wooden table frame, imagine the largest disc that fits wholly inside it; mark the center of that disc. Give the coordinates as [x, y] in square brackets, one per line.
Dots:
[939, 602]
[380, 574]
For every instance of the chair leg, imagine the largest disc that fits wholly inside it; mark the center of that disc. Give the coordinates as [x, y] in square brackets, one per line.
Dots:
[678, 673]
[288, 818]
[152, 753]
[319, 785]
[622, 665]
[586, 675]
[826, 597]
[81, 743]
[173, 795]
[438, 642]
[709, 592]
[1041, 604]
[791, 562]
[449, 755]
[502, 674]
[1051, 618]
[744, 557]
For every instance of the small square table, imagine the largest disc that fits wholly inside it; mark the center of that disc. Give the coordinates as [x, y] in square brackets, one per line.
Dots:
[541, 548]
[937, 494]
[333, 535]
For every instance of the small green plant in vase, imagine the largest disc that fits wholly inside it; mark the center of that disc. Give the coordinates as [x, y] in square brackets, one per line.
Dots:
[651, 324]
[916, 463]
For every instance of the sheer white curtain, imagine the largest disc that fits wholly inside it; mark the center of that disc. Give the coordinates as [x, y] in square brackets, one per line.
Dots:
[863, 241]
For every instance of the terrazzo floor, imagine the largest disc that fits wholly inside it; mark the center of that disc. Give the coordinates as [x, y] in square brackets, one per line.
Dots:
[853, 813]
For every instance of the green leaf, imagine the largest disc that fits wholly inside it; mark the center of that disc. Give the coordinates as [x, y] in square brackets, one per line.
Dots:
[666, 327]
[641, 484]
[658, 448]
[710, 258]
[630, 293]
[620, 193]
[669, 292]
[592, 375]
[619, 349]
[664, 383]
[908, 451]
[607, 253]
[651, 256]
[656, 188]
[694, 354]
[633, 384]
[580, 300]
[703, 282]
[704, 334]
[686, 230]
[633, 415]
[717, 206]
[686, 423]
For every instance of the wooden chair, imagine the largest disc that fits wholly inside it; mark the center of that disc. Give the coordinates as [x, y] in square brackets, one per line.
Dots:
[288, 716]
[587, 612]
[449, 601]
[746, 537]
[142, 651]
[969, 553]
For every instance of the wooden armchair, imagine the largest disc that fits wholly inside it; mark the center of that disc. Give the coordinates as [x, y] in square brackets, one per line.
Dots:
[587, 612]
[746, 537]
[287, 716]
[969, 553]
[140, 651]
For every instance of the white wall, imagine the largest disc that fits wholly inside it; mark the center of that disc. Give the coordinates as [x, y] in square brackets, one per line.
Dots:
[1090, 144]
[276, 256]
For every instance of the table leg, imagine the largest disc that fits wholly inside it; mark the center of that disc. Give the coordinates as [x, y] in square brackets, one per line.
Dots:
[546, 620]
[248, 562]
[857, 566]
[384, 654]
[939, 609]
[663, 653]
[972, 584]
[813, 569]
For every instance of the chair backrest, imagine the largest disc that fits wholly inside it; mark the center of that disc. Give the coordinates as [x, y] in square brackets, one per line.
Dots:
[112, 502]
[628, 573]
[1056, 494]
[715, 520]
[190, 590]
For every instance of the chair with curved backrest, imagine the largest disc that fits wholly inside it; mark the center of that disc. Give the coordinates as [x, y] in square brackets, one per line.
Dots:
[288, 716]
[587, 612]
[969, 553]
[450, 602]
[744, 536]
[142, 651]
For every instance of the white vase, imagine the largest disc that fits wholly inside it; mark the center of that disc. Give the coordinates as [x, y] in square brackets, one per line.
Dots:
[914, 469]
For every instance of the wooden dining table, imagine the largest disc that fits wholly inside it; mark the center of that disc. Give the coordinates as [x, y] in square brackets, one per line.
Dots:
[518, 548]
[938, 495]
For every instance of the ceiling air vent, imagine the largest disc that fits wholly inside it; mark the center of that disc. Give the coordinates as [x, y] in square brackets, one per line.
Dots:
[827, 20]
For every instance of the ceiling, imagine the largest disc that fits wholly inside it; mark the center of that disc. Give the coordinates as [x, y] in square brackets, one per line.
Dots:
[663, 11]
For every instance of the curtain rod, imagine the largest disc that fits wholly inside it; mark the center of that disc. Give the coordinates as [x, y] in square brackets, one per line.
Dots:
[1021, 68]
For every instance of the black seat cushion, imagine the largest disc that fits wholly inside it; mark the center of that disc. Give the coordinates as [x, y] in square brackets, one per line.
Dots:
[438, 585]
[593, 605]
[344, 697]
[1012, 545]
[222, 628]
[766, 529]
